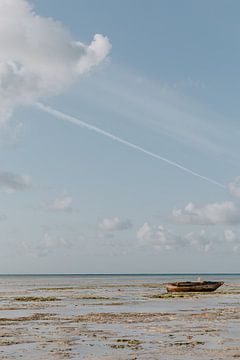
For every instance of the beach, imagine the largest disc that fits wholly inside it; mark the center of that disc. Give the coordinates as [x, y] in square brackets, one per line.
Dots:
[117, 317]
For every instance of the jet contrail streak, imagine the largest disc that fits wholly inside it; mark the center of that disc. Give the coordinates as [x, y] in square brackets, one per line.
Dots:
[78, 122]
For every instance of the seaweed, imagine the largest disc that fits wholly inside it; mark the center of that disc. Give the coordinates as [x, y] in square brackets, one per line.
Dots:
[35, 298]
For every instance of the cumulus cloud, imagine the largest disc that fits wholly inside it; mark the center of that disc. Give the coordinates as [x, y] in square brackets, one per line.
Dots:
[234, 187]
[10, 182]
[159, 238]
[200, 240]
[232, 238]
[61, 204]
[38, 56]
[48, 244]
[114, 224]
[215, 213]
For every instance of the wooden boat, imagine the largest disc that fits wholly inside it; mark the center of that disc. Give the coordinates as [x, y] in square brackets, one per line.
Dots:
[193, 286]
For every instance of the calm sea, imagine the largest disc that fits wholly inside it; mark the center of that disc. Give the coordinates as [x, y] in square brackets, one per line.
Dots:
[60, 280]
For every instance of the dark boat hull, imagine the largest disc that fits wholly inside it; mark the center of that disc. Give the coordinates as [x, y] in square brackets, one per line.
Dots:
[198, 286]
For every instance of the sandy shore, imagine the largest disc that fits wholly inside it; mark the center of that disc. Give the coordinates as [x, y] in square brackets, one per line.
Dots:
[130, 319]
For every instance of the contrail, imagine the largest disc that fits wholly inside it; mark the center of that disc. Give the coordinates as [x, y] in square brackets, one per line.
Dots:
[78, 122]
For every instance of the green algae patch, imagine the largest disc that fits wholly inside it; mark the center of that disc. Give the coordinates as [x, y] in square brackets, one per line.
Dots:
[36, 298]
[121, 317]
[170, 296]
[65, 288]
[91, 297]
[177, 295]
[126, 343]
[188, 343]
[133, 342]
[34, 317]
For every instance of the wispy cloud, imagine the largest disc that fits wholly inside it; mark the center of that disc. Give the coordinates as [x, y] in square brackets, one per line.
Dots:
[48, 244]
[234, 187]
[83, 124]
[11, 134]
[60, 204]
[164, 108]
[11, 182]
[38, 56]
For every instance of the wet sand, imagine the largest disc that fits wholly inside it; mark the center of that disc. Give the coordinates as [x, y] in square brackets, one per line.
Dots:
[115, 318]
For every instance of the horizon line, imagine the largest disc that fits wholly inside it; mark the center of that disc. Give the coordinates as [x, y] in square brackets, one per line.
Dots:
[115, 274]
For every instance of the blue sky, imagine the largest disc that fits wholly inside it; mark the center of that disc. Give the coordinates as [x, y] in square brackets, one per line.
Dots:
[161, 75]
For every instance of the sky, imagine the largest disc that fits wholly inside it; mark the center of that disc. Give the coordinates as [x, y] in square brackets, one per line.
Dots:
[119, 136]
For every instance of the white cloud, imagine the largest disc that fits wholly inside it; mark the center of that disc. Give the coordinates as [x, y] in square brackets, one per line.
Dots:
[10, 182]
[215, 213]
[61, 204]
[232, 238]
[234, 187]
[38, 56]
[200, 240]
[114, 224]
[158, 237]
[48, 244]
